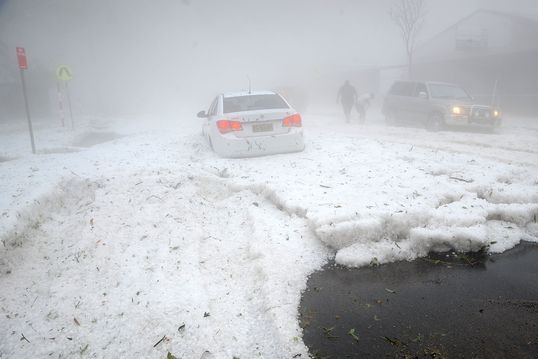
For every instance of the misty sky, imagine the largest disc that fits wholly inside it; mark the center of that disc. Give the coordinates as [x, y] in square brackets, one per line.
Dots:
[175, 45]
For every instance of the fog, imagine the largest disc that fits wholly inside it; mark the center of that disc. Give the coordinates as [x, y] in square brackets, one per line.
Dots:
[168, 216]
[168, 56]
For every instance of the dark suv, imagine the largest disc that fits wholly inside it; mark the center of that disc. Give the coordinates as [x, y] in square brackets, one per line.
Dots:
[435, 105]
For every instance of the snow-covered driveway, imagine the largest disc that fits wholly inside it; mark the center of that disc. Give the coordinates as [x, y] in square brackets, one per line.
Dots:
[108, 249]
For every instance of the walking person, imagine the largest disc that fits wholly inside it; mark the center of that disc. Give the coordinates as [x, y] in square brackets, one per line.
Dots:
[362, 104]
[347, 96]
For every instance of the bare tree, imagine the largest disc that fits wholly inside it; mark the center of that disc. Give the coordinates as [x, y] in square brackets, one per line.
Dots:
[409, 16]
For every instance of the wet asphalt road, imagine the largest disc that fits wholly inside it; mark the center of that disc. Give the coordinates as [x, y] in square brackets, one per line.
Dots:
[443, 306]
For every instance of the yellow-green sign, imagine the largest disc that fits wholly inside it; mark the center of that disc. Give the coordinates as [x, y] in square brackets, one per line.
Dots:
[64, 73]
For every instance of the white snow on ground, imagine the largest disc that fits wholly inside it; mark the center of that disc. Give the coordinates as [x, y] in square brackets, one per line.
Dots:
[114, 237]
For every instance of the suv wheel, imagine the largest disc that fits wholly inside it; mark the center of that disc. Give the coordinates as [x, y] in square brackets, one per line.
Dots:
[435, 122]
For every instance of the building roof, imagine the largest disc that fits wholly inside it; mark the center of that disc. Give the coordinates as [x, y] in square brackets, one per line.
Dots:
[518, 17]
[481, 33]
[525, 19]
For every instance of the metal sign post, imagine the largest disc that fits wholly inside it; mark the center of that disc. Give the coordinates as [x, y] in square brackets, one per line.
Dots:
[23, 66]
[64, 74]
[69, 104]
[60, 103]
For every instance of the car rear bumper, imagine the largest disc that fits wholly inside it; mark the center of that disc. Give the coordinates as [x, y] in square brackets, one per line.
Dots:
[230, 147]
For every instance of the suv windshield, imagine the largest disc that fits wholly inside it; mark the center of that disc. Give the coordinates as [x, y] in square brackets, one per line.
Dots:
[448, 92]
[253, 103]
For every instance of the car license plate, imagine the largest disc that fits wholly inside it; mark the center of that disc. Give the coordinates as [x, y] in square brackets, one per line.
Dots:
[262, 127]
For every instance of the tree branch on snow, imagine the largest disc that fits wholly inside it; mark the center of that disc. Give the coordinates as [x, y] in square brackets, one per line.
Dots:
[24, 338]
[408, 15]
[160, 341]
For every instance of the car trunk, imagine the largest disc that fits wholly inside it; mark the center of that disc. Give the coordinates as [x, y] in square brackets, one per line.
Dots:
[260, 123]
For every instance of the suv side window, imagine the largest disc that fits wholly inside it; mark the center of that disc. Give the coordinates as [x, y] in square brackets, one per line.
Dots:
[420, 88]
[403, 88]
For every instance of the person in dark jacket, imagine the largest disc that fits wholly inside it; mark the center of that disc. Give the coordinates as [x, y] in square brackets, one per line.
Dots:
[347, 96]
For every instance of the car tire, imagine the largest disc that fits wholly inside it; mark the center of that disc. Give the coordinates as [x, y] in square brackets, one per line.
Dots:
[435, 123]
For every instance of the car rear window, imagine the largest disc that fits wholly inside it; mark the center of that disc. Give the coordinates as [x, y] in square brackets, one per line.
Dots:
[253, 103]
[403, 89]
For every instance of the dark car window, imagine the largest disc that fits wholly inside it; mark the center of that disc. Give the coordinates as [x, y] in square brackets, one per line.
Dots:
[403, 89]
[442, 91]
[253, 103]
[420, 88]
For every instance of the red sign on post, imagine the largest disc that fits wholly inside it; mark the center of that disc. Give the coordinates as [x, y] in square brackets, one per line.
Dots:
[21, 58]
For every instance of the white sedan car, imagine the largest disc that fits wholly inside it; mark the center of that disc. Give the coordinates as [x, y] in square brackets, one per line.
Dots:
[252, 124]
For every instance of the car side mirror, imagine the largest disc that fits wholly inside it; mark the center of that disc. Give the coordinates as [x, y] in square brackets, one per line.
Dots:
[423, 95]
[202, 114]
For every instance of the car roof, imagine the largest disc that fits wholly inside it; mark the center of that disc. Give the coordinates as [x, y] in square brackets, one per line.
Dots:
[430, 82]
[247, 93]
[441, 83]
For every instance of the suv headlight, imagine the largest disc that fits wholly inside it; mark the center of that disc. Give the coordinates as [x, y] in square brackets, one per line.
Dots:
[457, 110]
[496, 113]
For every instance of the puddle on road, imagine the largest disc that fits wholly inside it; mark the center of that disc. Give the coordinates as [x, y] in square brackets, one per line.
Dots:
[460, 306]
[95, 138]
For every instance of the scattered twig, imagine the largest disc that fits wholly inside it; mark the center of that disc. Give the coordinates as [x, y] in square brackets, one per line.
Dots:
[328, 333]
[394, 342]
[353, 335]
[24, 338]
[460, 179]
[82, 350]
[160, 341]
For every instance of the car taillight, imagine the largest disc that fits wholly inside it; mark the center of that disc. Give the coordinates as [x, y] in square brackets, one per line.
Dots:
[292, 121]
[226, 126]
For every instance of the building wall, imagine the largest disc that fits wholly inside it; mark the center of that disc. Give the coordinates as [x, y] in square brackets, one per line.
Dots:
[480, 34]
